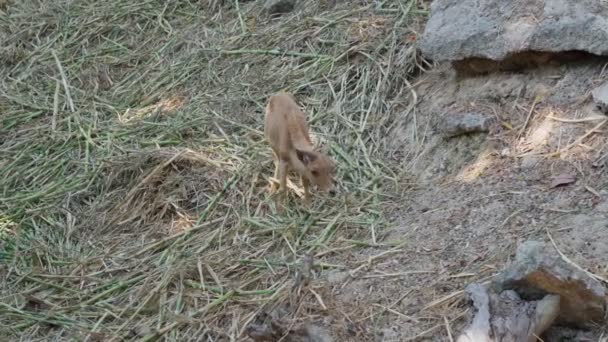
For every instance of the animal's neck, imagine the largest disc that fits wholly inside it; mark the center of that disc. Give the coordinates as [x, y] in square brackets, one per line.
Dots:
[303, 146]
[300, 141]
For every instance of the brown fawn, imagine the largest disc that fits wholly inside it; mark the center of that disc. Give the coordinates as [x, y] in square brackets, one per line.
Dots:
[286, 130]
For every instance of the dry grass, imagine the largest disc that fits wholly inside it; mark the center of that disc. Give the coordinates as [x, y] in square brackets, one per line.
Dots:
[133, 198]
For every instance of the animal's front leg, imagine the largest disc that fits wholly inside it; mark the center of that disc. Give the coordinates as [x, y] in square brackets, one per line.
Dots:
[283, 168]
[273, 184]
[306, 185]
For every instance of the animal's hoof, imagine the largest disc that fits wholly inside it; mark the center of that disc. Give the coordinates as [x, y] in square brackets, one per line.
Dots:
[272, 188]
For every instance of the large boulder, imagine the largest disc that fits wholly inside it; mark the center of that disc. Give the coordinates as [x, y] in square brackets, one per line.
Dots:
[505, 317]
[538, 271]
[497, 29]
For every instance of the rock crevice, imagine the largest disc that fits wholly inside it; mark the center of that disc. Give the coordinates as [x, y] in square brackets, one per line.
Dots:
[514, 34]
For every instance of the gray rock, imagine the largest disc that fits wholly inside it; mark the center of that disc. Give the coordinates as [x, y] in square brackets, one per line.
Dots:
[600, 97]
[277, 7]
[538, 271]
[602, 207]
[529, 162]
[506, 317]
[455, 124]
[337, 277]
[496, 29]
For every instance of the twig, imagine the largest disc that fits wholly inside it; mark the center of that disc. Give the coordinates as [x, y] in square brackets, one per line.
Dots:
[55, 107]
[402, 315]
[448, 329]
[592, 118]
[430, 330]
[373, 259]
[290, 185]
[566, 259]
[319, 298]
[593, 191]
[579, 140]
[510, 217]
[393, 275]
[180, 234]
[153, 173]
[203, 310]
[64, 79]
[274, 52]
[444, 299]
[523, 128]
[241, 21]
[387, 307]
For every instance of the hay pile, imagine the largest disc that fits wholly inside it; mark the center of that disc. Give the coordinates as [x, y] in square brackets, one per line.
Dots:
[133, 170]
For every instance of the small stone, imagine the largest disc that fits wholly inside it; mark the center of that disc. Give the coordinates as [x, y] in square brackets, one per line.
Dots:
[541, 91]
[600, 97]
[505, 152]
[337, 277]
[464, 123]
[277, 7]
[538, 271]
[529, 162]
[602, 207]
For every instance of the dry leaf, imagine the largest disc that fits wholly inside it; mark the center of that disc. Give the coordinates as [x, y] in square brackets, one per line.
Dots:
[563, 179]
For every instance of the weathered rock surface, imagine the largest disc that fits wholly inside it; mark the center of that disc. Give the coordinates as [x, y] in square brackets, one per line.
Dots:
[508, 318]
[455, 124]
[497, 29]
[600, 97]
[539, 271]
[277, 7]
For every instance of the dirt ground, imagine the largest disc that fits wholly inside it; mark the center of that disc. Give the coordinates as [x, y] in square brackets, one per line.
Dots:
[477, 197]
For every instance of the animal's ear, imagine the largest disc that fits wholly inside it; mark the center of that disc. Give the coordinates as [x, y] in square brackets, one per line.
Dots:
[306, 156]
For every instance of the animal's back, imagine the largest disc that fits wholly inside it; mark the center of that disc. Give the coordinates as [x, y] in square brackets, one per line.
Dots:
[285, 124]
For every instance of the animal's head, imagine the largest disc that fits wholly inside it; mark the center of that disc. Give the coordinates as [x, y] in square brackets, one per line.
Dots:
[321, 168]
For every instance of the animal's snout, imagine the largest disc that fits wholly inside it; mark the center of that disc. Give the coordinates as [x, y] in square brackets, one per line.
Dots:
[331, 188]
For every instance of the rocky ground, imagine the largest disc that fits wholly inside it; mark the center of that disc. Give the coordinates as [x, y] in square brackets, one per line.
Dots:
[536, 171]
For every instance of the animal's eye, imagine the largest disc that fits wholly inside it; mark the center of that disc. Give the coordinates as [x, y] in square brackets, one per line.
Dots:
[315, 173]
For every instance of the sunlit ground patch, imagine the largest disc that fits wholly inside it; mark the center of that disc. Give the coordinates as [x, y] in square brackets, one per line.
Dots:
[161, 107]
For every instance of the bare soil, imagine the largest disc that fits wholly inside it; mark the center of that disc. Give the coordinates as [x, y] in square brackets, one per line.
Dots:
[477, 197]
